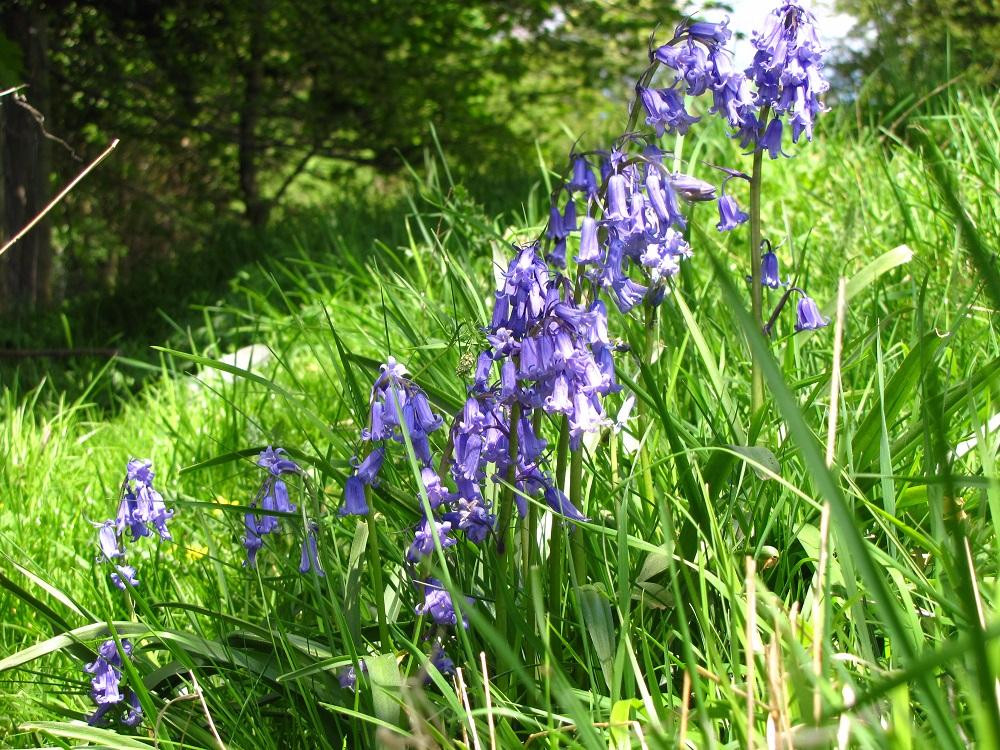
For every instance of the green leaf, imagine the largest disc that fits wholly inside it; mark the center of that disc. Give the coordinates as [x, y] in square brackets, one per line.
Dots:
[78, 730]
[759, 458]
[352, 585]
[383, 672]
[600, 627]
[870, 273]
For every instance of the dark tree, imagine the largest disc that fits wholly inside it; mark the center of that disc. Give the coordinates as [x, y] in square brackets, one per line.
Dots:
[26, 269]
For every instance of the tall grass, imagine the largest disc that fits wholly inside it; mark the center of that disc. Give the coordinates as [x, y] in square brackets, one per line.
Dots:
[832, 583]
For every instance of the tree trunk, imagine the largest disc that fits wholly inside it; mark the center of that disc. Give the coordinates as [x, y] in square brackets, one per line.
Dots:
[26, 268]
[257, 209]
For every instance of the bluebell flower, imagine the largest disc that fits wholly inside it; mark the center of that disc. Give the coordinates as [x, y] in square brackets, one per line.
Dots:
[437, 493]
[279, 501]
[627, 293]
[471, 515]
[354, 498]
[617, 197]
[582, 180]
[437, 603]
[561, 504]
[105, 683]
[560, 227]
[661, 259]
[129, 518]
[274, 460]
[665, 110]
[142, 509]
[423, 539]
[425, 419]
[441, 661]
[348, 676]
[732, 98]
[484, 366]
[367, 471]
[691, 188]
[310, 559]
[273, 498]
[705, 32]
[124, 574]
[133, 714]
[771, 140]
[730, 215]
[140, 471]
[663, 200]
[107, 537]
[808, 316]
[769, 275]
[106, 673]
[395, 397]
[252, 541]
[158, 512]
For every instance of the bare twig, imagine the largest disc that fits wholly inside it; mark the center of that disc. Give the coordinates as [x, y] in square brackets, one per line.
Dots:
[196, 695]
[62, 194]
[292, 175]
[489, 701]
[819, 601]
[464, 693]
[685, 709]
[208, 716]
[933, 92]
[39, 119]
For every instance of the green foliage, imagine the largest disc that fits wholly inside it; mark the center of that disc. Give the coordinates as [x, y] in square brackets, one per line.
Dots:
[909, 51]
[11, 63]
[239, 110]
[658, 627]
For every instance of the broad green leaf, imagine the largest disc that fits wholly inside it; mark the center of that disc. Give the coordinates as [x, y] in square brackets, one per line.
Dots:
[864, 278]
[386, 682]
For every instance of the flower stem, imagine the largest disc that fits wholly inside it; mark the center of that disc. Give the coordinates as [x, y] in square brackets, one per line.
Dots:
[756, 287]
[507, 498]
[645, 467]
[375, 562]
[575, 494]
[505, 575]
[557, 532]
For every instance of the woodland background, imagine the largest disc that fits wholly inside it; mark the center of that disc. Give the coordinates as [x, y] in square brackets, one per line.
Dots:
[239, 117]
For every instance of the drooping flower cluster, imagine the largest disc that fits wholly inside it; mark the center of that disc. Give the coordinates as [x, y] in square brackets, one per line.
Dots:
[786, 73]
[808, 316]
[784, 79]
[141, 510]
[631, 236]
[272, 497]
[396, 402]
[641, 229]
[700, 63]
[105, 684]
[553, 357]
[399, 410]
